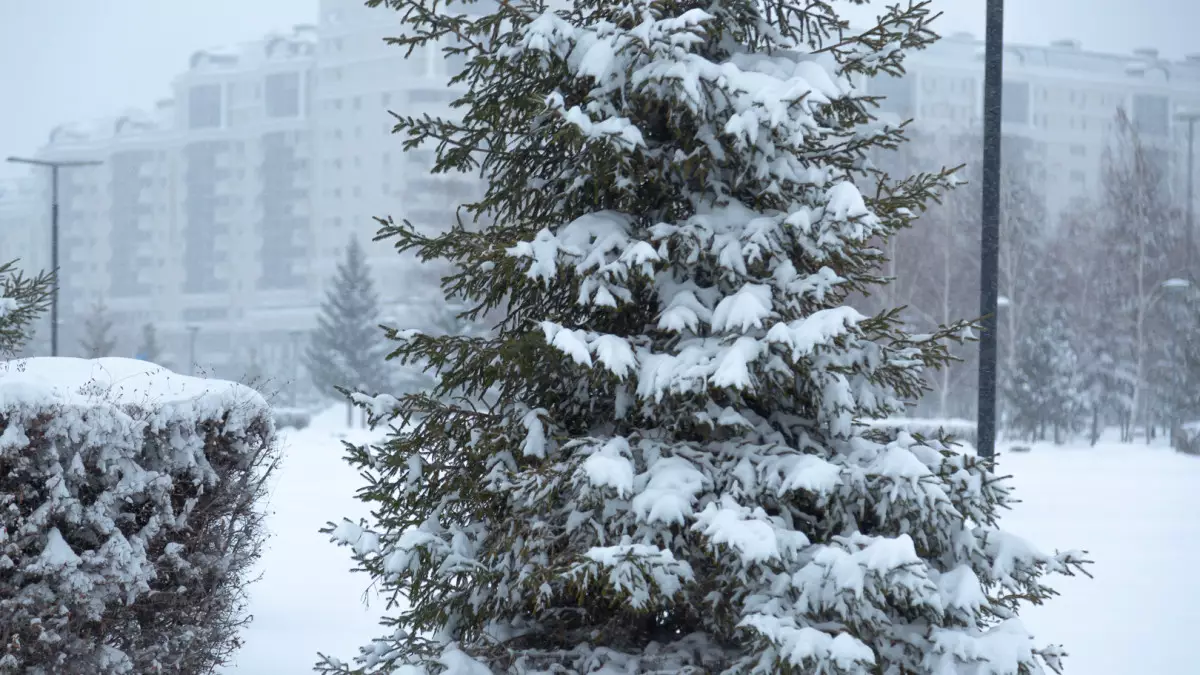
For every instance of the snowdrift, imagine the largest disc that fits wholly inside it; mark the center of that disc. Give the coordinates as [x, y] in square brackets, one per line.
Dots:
[961, 431]
[130, 515]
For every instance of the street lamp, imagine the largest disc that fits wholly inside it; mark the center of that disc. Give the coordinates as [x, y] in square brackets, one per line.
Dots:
[54, 167]
[989, 267]
[1190, 117]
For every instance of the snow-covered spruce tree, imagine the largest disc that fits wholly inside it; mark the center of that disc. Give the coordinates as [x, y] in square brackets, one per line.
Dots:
[348, 347]
[22, 301]
[98, 340]
[652, 462]
[1043, 392]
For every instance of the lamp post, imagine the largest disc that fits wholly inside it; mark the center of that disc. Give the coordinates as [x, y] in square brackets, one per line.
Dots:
[989, 268]
[54, 167]
[1190, 118]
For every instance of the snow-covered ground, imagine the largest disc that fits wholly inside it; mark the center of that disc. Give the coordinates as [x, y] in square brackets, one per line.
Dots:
[1135, 509]
[308, 600]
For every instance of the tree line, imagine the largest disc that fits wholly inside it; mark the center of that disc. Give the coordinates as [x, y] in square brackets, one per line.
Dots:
[1098, 312]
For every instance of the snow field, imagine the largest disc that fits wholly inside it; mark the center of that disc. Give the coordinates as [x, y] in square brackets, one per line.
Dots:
[1135, 509]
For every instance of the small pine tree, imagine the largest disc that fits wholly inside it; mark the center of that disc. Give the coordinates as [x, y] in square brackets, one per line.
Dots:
[149, 350]
[1175, 363]
[348, 347]
[653, 462]
[97, 339]
[1043, 392]
[22, 301]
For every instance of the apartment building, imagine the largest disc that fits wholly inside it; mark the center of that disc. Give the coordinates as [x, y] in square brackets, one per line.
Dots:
[362, 168]
[24, 224]
[1059, 106]
[221, 214]
[198, 220]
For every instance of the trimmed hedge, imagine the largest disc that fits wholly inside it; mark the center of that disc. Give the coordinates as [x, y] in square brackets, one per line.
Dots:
[131, 516]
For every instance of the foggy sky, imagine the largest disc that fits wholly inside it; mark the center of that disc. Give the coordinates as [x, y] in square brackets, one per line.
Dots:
[74, 60]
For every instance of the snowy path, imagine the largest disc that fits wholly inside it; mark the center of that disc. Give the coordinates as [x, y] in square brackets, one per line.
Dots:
[308, 600]
[1135, 509]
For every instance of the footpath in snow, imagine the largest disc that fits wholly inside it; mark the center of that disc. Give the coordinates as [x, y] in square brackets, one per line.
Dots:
[1135, 509]
[308, 600]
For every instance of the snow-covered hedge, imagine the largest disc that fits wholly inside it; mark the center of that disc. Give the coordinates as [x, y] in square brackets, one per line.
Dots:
[1186, 438]
[130, 515]
[962, 431]
[292, 418]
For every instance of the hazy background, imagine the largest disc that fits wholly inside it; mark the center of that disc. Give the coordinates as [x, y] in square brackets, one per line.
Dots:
[73, 60]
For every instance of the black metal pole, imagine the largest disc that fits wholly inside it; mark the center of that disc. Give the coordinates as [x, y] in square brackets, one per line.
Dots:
[989, 259]
[54, 260]
[1189, 258]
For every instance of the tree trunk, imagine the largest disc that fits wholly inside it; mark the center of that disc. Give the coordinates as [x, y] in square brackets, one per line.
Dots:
[1095, 434]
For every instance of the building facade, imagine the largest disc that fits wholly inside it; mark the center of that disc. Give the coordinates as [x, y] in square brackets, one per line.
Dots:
[1059, 107]
[199, 219]
[220, 215]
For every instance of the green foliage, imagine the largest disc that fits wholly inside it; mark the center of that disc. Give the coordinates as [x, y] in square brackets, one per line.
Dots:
[98, 340]
[22, 301]
[651, 462]
[348, 346]
[1043, 393]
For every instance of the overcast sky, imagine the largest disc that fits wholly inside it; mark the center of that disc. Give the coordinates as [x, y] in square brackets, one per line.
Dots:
[71, 60]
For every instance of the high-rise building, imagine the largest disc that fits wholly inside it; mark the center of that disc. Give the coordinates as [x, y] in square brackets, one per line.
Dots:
[199, 219]
[221, 215]
[24, 225]
[1059, 106]
[362, 169]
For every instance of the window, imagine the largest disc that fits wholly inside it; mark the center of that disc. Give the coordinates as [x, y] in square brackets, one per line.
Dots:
[1015, 107]
[204, 107]
[1078, 177]
[358, 103]
[385, 98]
[283, 95]
[1078, 151]
[1150, 114]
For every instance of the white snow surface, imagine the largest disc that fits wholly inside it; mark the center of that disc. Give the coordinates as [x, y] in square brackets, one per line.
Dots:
[308, 600]
[1135, 509]
[117, 381]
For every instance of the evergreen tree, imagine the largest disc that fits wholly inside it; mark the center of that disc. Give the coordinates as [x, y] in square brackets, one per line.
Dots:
[98, 340]
[149, 350]
[1043, 392]
[651, 463]
[1139, 239]
[348, 347]
[22, 301]
[1175, 363]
